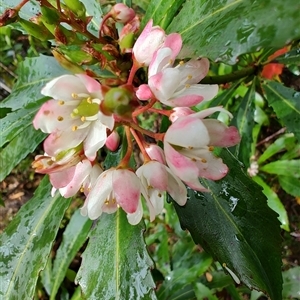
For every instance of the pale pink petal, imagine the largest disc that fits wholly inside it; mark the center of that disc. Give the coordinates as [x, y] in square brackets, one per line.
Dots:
[108, 121]
[53, 116]
[82, 171]
[113, 141]
[209, 111]
[185, 99]
[209, 166]
[187, 132]
[98, 195]
[180, 165]
[180, 112]
[176, 188]
[220, 134]
[135, 218]
[127, 190]
[161, 58]
[173, 41]
[195, 70]
[61, 88]
[91, 85]
[95, 139]
[62, 178]
[63, 140]
[156, 153]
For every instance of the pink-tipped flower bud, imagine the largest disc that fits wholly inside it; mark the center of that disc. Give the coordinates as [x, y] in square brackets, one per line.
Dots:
[122, 13]
[150, 40]
[113, 141]
[156, 153]
[180, 112]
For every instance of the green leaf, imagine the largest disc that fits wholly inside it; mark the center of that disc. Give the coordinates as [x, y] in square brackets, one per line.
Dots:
[283, 167]
[115, 263]
[291, 283]
[233, 222]
[162, 12]
[275, 147]
[224, 29]
[274, 202]
[19, 148]
[93, 8]
[291, 57]
[27, 242]
[74, 236]
[286, 104]
[244, 121]
[15, 122]
[46, 276]
[290, 184]
[203, 292]
[29, 10]
[33, 74]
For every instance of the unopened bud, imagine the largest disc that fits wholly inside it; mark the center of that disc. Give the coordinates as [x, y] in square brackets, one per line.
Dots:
[122, 13]
[118, 101]
[113, 141]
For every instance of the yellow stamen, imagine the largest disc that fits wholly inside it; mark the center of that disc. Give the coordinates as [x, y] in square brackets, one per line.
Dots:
[74, 128]
[181, 62]
[61, 102]
[82, 118]
[193, 159]
[190, 77]
[89, 100]
[211, 148]
[60, 118]
[203, 160]
[187, 85]
[74, 96]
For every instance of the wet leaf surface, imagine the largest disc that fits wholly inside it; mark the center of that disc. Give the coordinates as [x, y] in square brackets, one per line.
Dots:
[235, 225]
[224, 29]
[116, 264]
[32, 230]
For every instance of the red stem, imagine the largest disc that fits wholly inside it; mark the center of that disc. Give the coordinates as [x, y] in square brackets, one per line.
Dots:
[141, 145]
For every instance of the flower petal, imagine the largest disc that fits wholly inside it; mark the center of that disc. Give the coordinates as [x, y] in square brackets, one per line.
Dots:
[61, 88]
[220, 134]
[188, 132]
[135, 218]
[127, 189]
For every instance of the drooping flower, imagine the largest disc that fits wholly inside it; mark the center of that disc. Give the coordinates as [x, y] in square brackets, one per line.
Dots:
[79, 177]
[122, 13]
[188, 146]
[73, 117]
[115, 188]
[157, 179]
[178, 86]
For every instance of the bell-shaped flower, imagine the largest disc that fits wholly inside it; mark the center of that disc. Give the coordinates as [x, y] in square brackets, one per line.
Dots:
[122, 13]
[189, 144]
[157, 179]
[115, 188]
[73, 116]
[79, 177]
[178, 86]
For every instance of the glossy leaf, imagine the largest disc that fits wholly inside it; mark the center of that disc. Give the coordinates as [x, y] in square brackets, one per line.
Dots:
[116, 263]
[224, 29]
[27, 242]
[290, 184]
[74, 236]
[274, 202]
[291, 57]
[283, 167]
[233, 223]
[244, 121]
[33, 75]
[286, 104]
[23, 144]
[162, 12]
[15, 122]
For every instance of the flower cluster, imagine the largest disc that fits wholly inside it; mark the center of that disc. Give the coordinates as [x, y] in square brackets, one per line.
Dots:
[85, 115]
